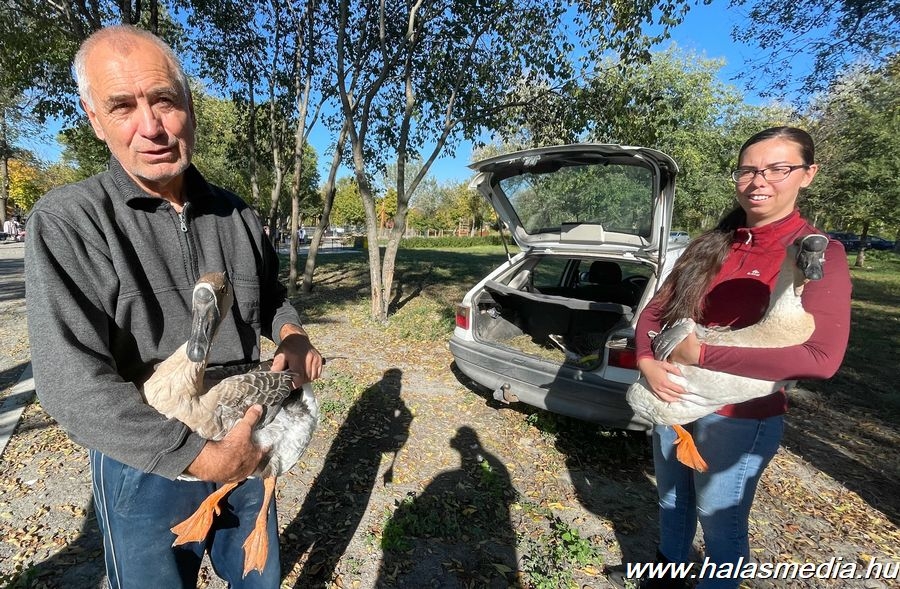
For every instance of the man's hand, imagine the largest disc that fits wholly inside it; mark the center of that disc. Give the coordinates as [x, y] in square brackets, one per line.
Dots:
[297, 354]
[656, 372]
[234, 457]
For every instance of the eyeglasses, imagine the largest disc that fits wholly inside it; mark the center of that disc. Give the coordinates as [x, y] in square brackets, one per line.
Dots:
[773, 174]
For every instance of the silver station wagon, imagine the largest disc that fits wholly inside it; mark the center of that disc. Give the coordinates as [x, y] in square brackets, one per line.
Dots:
[553, 327]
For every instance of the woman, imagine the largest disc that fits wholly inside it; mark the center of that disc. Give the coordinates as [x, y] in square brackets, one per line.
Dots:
[724, 278]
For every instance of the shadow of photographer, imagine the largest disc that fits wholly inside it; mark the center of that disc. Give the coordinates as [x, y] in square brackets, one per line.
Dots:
[318, 536]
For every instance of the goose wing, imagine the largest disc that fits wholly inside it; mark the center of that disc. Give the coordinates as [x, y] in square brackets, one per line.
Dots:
[290, 432]
[234, 395]
[213, 375]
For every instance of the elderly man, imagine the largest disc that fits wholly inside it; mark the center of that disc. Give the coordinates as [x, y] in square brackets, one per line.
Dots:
[110, 266]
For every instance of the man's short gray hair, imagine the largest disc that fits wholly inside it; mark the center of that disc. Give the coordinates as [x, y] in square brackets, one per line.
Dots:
[120, 34]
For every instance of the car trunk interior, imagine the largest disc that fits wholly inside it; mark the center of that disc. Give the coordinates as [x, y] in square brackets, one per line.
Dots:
[562, 326]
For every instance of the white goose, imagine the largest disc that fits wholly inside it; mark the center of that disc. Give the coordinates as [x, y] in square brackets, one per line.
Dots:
[180, 388]
[785, 324]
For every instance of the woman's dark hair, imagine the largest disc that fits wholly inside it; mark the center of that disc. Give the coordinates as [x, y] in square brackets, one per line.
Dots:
[682, 292]
[793, 134]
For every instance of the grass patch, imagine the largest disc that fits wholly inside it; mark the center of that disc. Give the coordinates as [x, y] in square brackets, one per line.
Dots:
[867, 373]
[550, 558]
[436, 279]
[337, 394]
[423, 320]
[430, 282]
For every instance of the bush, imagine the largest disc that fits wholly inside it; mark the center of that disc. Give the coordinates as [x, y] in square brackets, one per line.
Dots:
[449, 241]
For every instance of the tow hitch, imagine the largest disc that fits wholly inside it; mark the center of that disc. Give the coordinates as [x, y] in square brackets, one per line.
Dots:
[504, 396]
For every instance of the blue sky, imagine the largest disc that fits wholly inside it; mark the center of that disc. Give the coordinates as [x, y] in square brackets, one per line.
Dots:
[706, 30]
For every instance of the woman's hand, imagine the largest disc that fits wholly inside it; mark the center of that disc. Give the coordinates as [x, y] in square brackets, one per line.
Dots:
[656, 372]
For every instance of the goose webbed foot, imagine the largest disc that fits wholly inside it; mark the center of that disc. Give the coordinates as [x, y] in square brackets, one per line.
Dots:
[196, 527]
[256, 546]
[686, 450]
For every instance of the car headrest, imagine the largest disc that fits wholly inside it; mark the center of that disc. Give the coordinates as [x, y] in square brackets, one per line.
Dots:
[603, 272]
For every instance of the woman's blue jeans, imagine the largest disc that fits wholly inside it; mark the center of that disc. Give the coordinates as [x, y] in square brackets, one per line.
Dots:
[136, 509]
[737, 451]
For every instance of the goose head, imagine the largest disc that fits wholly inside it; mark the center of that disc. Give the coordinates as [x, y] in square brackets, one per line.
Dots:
[810, 259]
[212, 298]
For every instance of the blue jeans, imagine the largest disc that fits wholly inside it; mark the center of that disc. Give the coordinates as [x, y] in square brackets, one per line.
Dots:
[136, 509]
[737, 451]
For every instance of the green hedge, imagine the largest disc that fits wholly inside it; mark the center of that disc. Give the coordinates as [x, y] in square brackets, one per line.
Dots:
[449, 241]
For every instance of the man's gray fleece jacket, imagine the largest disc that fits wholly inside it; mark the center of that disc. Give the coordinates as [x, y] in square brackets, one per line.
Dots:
[109, 276]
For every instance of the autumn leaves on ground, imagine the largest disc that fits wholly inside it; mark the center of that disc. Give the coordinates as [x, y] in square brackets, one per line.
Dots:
[417, 479]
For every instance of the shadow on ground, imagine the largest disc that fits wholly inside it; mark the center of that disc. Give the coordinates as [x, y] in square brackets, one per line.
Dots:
[460, 523]
[334, 506]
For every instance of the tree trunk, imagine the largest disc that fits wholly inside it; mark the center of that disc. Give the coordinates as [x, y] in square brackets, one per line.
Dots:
[379, 289]
[328, 202]
[5, 153]
[861, 253]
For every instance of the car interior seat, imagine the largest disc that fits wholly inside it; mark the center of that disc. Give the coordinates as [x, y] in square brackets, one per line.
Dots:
[604, 284]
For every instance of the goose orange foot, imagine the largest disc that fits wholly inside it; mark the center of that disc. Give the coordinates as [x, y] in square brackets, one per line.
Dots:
[196, 527]
[256, 546]
[687, 452]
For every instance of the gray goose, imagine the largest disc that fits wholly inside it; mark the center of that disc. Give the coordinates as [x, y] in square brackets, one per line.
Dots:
[784, 324]
[183, 389]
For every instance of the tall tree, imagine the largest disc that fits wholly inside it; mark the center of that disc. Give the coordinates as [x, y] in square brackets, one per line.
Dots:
[859, 124]
[27, 183]
[674, 102]
[39, 41]
[833, 34]
[417, 77]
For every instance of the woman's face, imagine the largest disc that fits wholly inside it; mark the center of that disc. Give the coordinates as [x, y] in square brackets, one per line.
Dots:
[765, 201]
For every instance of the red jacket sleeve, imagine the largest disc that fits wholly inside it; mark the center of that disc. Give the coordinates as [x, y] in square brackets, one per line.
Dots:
[828, 300]
[649, 320]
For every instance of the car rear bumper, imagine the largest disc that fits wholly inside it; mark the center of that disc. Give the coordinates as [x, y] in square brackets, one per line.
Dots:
[546, 385]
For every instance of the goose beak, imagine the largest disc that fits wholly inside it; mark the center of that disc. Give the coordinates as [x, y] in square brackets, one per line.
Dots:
[811, 256]
[204, 321]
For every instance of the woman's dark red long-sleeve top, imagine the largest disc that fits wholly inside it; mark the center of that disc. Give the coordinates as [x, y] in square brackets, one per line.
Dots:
[739, 296]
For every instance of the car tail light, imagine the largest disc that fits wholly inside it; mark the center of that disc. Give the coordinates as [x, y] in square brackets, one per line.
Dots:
[622, 354]
[463, 313]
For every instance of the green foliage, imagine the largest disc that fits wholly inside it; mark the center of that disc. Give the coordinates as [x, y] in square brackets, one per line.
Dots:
[217, 140]
[448, 206]
[834, 34]
[617, 197]
[673, 102]
[550, 558]
[859, 124]
[348, 206]
[450, 241]
[82, 151]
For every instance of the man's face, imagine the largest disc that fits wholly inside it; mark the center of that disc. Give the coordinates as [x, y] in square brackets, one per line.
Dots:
[142, 113]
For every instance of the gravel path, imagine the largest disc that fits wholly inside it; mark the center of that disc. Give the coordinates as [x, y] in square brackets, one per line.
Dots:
[467, 494]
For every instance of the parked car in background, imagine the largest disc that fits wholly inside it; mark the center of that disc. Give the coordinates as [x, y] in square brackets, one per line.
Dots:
[679, 236]
[849, 240]
[553, 327]
[878, 243]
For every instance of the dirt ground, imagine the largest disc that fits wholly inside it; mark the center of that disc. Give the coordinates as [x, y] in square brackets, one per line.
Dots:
[416, 479]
